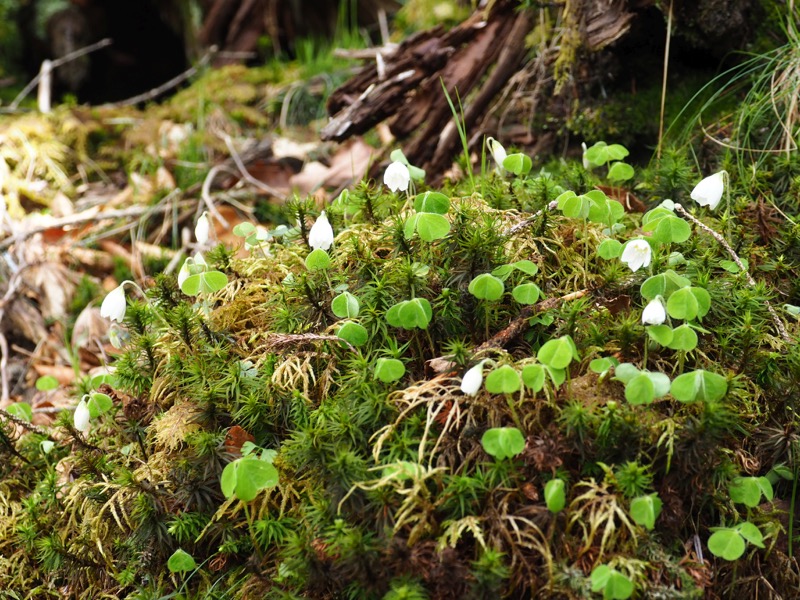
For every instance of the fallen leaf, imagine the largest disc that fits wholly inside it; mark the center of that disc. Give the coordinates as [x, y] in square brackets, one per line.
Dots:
[235, 439]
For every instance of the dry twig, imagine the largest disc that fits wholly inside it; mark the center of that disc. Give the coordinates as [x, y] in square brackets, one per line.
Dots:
[750, 281]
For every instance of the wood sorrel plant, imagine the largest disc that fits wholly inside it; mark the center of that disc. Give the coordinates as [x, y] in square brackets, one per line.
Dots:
[436, 399]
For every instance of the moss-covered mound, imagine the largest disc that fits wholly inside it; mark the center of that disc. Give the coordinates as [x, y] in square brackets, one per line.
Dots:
[301, 425]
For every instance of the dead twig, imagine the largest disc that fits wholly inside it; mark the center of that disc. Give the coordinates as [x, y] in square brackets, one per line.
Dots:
[13, 286]
[530, 220]
[88, 216]
[518, 325]
[168, 85]
[25, 425]
[54, 64]
[245, 173]
[750, 281]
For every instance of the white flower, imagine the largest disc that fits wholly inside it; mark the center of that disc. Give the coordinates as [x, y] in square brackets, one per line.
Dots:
[397, 177]
[81, 417]
[472, 380]
[497, 150]
[114, 306]
[184, 273]
[201, 230]
[637, 254]
[654, 313]
[586, 164]
[321, 234]
[709, 191]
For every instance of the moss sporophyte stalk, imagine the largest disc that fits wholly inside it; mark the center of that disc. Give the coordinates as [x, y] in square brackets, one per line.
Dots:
[546, 400]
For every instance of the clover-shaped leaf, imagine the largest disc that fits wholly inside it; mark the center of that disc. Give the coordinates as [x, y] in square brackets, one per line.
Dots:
[558, 353]
[533, 377]
[206, 282]
[518, 163]
[661, 334]
[486, 287]
[554, 495]
[389, 369]
[181, 561]
[503, 380]
[503, 442]
[683, 338]
[410, 313]
[46, 383]
[699, 385]
[726, 543]
[318, 260]
[98, 403]
[246, 476]
[345, 306]
[619, 172]
[613, 584]
[353, 333]
[526, 293]
[609, 248]
[432, 202]
[645, 510]
[748, 490]
[21, 410]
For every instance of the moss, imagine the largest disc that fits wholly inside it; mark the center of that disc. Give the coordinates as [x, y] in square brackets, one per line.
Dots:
[385, 487]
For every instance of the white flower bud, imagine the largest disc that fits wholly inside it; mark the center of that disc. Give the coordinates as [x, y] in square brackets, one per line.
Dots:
[709, 191]
[654, 313]
[321, 234]
[114, 305]
[81, 417]
[472, 380]
[397, 177]
[185, 271]
[202, 229]
[497, 151]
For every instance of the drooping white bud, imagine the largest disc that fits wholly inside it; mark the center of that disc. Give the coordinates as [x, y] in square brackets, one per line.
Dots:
[637, 254]
[472, 380]
[709, 191]
[202, 229]
[114, 306]
[321, 234]
[397, 177]
[81, 417]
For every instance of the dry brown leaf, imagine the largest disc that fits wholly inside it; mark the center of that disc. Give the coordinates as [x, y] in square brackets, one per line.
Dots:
[89, 328]
[235, 439]
[349, 163]
[310, 178]
[54, 286]
[65, 375]
[26, 320]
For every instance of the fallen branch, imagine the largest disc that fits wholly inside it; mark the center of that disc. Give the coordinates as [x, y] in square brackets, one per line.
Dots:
[530, 220]
[168, 85]
[96, 215]
[54, 64]
[520, 322]
[25, 425]
[514, 329]
[750, 281]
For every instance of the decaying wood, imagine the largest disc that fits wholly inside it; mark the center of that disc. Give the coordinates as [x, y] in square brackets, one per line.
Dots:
[362, 102]
[606, 23]
[474, 61]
